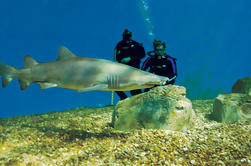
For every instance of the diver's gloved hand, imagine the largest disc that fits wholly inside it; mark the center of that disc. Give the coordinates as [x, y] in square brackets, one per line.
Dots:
[125, 60]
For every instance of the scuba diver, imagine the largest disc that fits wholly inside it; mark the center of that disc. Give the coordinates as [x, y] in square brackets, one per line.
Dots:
[160, 63]
[129, 52]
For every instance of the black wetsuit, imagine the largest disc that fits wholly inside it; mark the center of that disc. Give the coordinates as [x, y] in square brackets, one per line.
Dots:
[164, 66]
[136, 52]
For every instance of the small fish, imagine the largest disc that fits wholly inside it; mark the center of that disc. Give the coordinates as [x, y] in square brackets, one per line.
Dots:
[80, 73]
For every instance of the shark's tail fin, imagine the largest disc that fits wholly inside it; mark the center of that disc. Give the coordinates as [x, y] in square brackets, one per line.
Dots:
[6, 71]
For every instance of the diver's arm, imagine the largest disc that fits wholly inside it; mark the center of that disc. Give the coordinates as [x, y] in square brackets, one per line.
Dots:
[125, 60]
[117, 56]
[146, 64]
[142, 51]
[139, 52]
[172, 61]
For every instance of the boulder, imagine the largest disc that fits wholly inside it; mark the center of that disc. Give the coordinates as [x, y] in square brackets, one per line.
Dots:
[242, 85]
[163, 107]
[231, 107]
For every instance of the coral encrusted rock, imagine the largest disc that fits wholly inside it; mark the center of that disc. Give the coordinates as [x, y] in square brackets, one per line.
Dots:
[242, 85]
[232, 107]
[163, 107]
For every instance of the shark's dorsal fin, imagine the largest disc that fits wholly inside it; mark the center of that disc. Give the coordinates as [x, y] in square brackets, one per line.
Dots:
[64, 53]
[29, 61]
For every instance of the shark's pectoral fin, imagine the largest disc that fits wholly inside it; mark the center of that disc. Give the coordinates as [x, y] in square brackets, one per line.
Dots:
[46, 85]
[93, 88]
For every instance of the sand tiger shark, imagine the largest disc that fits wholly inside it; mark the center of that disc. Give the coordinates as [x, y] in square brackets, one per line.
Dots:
[79, 73]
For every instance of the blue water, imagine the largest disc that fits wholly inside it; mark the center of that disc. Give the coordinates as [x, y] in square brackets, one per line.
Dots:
[210, 39]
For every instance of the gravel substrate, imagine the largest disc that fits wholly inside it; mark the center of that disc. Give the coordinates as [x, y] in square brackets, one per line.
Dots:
[83, 136]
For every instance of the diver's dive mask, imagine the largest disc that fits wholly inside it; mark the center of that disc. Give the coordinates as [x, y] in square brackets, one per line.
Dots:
[159, 47]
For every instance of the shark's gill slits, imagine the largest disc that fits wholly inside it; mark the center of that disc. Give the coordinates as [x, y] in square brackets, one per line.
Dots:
[113, 81]
[117, 81]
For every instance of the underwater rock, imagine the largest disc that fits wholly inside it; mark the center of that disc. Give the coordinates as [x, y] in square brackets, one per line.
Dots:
[231, 107]
[163, 107]
[242, 85]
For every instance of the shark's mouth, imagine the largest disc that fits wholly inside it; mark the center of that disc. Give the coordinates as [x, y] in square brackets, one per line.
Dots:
[153, 83]
[161, 83]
